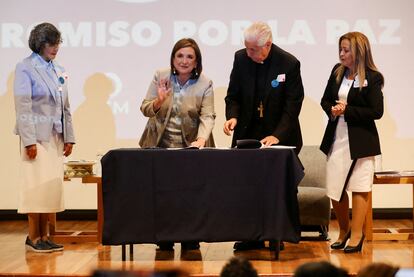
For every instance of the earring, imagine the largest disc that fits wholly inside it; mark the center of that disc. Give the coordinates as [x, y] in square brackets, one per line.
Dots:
[174, 72]
[196, 73]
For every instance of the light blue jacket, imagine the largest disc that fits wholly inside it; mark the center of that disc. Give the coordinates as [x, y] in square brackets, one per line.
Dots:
[35, 100]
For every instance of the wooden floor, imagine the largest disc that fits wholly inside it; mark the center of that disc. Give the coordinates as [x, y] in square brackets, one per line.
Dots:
[83, 259]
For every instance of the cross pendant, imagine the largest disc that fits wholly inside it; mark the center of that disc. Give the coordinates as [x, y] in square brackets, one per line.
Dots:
[260, 109]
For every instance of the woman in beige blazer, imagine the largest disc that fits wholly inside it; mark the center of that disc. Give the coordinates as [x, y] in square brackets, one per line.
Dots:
[180, 107]
[180, 102]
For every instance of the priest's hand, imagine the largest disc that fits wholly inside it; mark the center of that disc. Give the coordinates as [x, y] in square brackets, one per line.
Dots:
[229, 126]
[269, 140]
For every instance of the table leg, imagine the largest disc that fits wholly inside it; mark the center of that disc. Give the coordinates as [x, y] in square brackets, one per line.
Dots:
[100, 210]
[123, 252]
[412, 226]
[277, 249]
[131, 252]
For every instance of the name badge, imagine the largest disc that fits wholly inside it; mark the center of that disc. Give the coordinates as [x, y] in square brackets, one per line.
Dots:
[281, 78]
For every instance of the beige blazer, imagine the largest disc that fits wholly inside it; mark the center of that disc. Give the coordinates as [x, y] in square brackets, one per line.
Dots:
[197, 112]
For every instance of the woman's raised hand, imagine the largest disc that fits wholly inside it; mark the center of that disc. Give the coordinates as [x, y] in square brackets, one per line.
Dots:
[163, 91]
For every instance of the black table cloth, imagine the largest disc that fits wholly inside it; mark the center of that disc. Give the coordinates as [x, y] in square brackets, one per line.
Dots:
[211, 195]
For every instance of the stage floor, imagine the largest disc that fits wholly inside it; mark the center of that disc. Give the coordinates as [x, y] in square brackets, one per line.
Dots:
[83, 259]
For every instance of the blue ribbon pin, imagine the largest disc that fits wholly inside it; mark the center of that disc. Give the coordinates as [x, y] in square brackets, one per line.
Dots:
[61, 80]
[275, 83]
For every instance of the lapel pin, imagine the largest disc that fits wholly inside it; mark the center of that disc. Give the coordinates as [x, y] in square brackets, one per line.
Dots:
[275, 83]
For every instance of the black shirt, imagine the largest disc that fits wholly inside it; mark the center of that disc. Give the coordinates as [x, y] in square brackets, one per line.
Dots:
[256, 126]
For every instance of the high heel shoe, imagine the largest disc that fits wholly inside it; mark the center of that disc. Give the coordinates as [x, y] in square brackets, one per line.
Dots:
[340, 245]
[357, 248]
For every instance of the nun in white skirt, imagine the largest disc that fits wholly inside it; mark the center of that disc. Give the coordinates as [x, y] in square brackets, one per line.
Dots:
[44, 124]
[352, 100]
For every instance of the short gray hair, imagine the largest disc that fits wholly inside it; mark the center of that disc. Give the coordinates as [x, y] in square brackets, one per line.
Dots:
[41, 34]
[259, 32]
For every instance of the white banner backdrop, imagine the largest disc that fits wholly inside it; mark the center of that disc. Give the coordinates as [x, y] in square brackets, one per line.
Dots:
[111, 49]
[128, 40]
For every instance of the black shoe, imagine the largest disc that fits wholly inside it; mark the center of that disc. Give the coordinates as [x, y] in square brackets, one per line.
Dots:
[54, 246]
[357, 248]
[166, 246]
[190, 245]
[340, 245]
[272, 245]
[248, 245]
[39, 247]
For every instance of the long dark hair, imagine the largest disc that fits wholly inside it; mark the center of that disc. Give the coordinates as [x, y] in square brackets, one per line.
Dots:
[183, 43]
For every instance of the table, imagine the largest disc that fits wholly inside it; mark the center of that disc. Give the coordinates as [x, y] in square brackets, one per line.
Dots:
[388, 233]
[210, 195]
[79, 236]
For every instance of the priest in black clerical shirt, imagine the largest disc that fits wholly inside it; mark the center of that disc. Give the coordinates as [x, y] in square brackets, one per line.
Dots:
[265, 93]
[264, 97]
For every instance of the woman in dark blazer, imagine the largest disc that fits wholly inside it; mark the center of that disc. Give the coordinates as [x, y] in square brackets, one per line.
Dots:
[353, 100]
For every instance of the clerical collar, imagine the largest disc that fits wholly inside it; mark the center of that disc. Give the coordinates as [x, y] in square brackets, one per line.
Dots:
[268, 58]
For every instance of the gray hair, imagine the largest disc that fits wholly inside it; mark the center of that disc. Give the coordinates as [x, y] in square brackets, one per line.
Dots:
[41, 34]
[259, 32]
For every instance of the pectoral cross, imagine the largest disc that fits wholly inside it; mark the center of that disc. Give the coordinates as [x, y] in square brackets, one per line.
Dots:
[260, 109]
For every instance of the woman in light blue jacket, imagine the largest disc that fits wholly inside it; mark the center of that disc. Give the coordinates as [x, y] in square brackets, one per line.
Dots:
[44, 124]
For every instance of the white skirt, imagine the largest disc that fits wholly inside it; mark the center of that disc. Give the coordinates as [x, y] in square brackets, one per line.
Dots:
[339, 163]
[41, 186]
